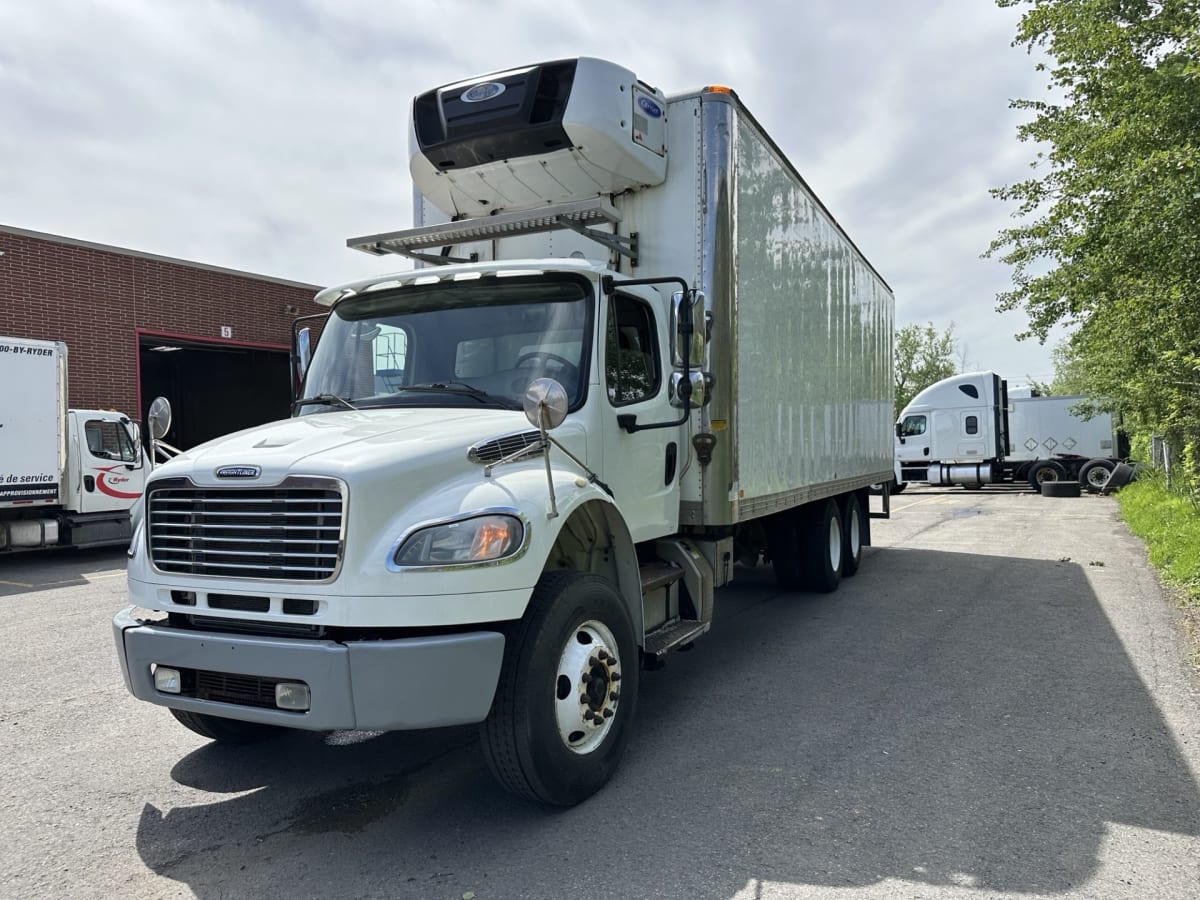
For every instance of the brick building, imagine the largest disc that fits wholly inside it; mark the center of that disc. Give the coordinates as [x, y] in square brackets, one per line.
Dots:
[214, 341]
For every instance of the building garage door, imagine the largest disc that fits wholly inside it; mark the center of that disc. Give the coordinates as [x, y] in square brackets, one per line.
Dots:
[214, 388]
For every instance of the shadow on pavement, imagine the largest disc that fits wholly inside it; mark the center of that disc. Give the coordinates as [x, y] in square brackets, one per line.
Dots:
[28, 571]
[985, 737]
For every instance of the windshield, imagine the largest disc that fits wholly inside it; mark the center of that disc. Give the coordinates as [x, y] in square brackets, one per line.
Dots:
[476, 342]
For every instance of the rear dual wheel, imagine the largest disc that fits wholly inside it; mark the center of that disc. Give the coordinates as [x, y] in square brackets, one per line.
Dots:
[809, 545]
[1093, 475]
[1046, 470]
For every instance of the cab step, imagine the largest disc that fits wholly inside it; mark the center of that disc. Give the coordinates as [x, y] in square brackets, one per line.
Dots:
[673, 636]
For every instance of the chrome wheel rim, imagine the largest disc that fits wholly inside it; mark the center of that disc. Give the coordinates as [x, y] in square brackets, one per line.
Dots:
[587, 690]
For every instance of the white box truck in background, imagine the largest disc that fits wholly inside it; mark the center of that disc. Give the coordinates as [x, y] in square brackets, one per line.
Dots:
[968, 430]
[68, 477]
[519, 473]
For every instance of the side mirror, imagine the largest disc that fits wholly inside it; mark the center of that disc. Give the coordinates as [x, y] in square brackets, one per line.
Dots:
[159, 417]
[303, 353]
[700, 329]
[545, 403]
[900, 431]
[702, 384]
[135, 436]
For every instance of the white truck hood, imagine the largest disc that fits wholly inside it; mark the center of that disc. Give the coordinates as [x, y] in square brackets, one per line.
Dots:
[346, 444]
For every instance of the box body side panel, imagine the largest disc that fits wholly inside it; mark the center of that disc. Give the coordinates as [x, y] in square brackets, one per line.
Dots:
[814, 330]
[32, 422]
[1042, 427]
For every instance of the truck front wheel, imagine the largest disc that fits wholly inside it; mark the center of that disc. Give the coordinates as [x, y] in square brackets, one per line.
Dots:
[226, 731]
[565, 700]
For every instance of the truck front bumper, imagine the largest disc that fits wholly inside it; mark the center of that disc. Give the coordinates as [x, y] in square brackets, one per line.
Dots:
[389, 685]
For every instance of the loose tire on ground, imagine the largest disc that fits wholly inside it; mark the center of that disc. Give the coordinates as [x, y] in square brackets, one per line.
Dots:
[1060, 489]
[1122, 474]
[573, 655]
[1094, 473]
[226, 731]
[852, 533]
[1046, 470]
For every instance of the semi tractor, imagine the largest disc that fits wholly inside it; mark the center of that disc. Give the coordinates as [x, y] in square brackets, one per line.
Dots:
[636, 353]
[68, 477]
[970, 430]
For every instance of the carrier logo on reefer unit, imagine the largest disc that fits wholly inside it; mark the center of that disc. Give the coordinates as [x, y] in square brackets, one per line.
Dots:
[477, 93]
[650, 108]
[239, 472]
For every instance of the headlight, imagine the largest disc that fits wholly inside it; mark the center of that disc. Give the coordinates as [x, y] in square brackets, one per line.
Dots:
[478, 539]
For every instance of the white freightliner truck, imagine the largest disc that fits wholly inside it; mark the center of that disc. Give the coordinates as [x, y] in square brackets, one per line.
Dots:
[517, 474]
[968, 430]
[68, 477]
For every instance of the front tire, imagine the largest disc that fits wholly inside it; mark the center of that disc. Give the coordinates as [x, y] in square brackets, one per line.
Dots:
[567, 692]
[226, 731]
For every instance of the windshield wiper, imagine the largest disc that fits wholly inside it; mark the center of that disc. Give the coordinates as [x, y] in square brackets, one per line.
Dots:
[459, 387]
[324, 400]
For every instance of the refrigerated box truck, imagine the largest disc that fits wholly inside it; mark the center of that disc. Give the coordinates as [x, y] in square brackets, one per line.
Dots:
[969, 430]
[68, 477]
[638, 350]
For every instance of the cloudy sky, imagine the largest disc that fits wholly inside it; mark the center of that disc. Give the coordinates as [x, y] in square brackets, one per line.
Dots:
[260, 134]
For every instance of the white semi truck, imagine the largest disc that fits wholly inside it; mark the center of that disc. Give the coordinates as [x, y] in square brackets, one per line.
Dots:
[968, 430]
[638, 351]
[68, 477]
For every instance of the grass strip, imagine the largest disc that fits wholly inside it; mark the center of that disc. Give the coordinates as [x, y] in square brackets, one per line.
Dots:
[1170, 526]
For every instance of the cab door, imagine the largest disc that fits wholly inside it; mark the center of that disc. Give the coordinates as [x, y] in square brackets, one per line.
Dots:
[912, 439]
[111, 472]
[641, 467]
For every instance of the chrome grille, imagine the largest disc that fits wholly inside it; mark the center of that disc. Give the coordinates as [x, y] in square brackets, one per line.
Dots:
[287, 532]
[498, 448]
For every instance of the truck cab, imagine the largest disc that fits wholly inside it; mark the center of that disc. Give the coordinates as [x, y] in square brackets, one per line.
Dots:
[953, 431]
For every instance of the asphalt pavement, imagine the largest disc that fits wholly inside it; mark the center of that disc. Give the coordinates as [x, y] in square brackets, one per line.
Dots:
[999, 704]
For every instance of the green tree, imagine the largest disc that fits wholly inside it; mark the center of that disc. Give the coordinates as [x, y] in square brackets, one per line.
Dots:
[923, 356]
[1109, 240]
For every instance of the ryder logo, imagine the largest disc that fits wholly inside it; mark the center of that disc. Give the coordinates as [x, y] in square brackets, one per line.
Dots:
[108, 483]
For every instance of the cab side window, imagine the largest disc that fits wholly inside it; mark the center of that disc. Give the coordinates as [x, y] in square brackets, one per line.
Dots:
[632, 371]
[912, 426]
[108, 440]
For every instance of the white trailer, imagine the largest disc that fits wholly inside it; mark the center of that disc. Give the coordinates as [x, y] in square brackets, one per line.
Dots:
[68, 477]
[637, 351]
[969, 430]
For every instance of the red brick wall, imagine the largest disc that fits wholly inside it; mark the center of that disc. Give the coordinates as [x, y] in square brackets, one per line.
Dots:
[97, 299]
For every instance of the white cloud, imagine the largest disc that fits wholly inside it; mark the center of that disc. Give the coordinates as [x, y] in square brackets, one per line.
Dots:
[260, 135]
